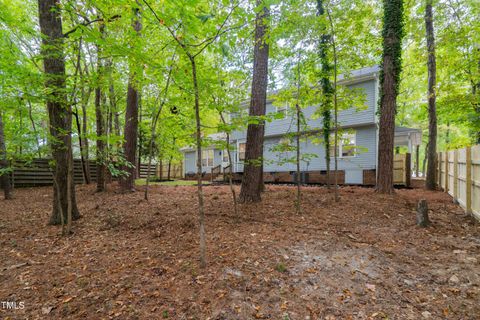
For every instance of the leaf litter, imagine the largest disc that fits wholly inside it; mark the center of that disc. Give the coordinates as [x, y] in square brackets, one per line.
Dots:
[361, 258]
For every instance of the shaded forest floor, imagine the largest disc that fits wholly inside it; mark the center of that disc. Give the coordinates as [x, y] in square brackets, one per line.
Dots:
[361, 258]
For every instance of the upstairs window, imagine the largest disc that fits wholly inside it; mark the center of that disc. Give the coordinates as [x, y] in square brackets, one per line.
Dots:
[207, 158]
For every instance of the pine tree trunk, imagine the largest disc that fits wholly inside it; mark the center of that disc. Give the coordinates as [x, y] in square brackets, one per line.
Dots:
[5, 177]
[127, 182]
[59, 113]
[252, 181]
[430, 181]
[389, 82]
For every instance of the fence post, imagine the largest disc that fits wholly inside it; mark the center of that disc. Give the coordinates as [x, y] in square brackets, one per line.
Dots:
[468, 181]
[446, 170]
[455, 175]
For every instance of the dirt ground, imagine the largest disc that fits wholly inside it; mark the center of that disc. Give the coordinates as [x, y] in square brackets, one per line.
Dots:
[361, 258]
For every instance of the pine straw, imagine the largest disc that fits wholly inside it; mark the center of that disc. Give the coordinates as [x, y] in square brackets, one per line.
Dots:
[362, 258]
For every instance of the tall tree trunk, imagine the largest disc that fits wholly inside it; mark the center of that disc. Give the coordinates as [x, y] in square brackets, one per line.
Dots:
[389, 82]
[5, 177]
[140, 136]
[430, 181]
[127, 182]
[85, 145]
[59, 112]
[100, 122]
[82, 129]
[86, 178]
[201, 209]
[113, 107]
[34, 128]
[169, 167]
[327, 89]
[230, 169]
[298, 202]
[252, 181]
[335, 105]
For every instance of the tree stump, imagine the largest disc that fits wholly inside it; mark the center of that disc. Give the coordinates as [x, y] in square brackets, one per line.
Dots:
[422, 214]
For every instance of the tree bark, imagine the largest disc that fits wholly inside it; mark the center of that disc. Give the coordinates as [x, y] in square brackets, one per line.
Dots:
[140, 137]
[252, 181]
[430, 181]
[100, 122]
[422, 214]
[389, 82]
[5, 177]
[327, 89]
[127, 182]
[230, 170]
[85, 145]
[86, 178]
[59, 112]
[201, 209]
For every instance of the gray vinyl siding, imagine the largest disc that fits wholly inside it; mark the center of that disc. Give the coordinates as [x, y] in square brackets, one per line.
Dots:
[347, 118]
[365, 159]
[190, 165]
[191, 161]
[363, 121]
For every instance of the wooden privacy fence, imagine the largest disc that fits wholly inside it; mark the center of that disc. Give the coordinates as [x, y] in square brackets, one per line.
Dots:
[37, 172]
[402, 171]
[459, 175]
[176, 171]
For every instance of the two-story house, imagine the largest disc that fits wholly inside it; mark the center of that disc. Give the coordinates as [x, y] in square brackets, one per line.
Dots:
[357, 145]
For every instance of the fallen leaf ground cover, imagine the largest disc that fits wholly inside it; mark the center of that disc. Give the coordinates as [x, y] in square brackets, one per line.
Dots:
[361, 258]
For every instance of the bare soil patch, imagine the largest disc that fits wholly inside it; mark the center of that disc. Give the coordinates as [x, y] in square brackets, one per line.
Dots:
[361, 258]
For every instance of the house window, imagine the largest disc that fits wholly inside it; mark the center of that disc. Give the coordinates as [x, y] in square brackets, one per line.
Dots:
[241, 151]
[281, 111]
[207, 158]
[225, 156]
[346, 145]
